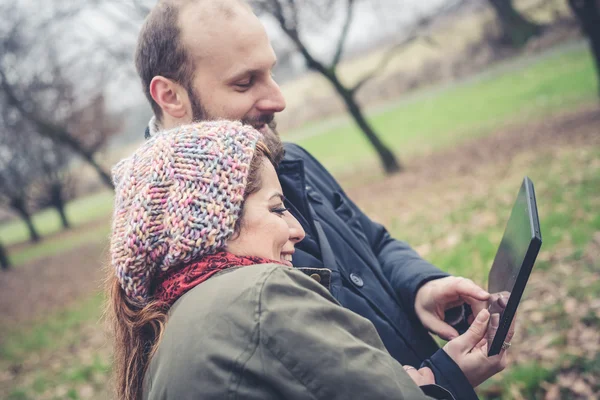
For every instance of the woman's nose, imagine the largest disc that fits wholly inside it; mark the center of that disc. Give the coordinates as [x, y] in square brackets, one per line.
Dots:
[296, 231]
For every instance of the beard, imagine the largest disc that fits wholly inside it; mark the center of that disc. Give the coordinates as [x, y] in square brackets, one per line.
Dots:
[198, 111]
[270, 135]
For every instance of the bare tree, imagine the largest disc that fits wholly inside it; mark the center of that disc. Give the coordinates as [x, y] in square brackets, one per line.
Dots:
[588, 14]
[54, 185]
[33, 81]
[296, 18]
[516, 28]
[17, 172]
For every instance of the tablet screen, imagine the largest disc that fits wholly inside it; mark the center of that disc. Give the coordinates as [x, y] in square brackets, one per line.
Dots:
[513, 247]
[511, 253]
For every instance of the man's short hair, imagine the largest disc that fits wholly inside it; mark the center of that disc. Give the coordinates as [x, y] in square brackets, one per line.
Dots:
[160, 50]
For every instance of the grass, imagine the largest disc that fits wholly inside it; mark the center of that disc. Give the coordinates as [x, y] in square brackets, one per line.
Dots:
[461, 236]
[57, 245]
[539, 89]
[79, 211]
[568, 199]
[55, 331]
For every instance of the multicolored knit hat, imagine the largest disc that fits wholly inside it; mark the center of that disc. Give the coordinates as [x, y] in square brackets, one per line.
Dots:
[178, 198]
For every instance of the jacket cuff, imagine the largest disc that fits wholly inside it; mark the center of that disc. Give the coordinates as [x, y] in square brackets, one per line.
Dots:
[450, 376]
[437, 392]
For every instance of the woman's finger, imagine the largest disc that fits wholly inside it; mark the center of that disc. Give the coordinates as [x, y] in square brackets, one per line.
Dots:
[427, 376]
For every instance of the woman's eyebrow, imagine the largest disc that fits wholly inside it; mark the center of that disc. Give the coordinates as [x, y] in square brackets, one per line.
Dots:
[281, 196]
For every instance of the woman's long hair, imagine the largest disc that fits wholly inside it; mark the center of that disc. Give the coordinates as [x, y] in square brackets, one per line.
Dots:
[137, 329]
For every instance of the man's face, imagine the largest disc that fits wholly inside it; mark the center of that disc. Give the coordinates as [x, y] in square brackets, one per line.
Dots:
[233, 60]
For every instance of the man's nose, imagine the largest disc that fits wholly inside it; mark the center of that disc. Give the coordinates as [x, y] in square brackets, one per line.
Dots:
[272, 100]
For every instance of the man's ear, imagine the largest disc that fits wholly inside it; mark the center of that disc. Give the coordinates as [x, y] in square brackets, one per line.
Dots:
[169, 95]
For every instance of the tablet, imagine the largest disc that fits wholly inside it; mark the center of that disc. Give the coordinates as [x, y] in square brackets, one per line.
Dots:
[514, 261]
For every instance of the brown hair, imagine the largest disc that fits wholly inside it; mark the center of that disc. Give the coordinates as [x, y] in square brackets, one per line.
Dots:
[160, 51]
[137, 329]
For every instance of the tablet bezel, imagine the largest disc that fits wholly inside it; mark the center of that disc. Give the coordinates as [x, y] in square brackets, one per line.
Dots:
[524, 272]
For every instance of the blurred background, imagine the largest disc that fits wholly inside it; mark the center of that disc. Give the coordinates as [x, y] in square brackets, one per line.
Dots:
[428, 112]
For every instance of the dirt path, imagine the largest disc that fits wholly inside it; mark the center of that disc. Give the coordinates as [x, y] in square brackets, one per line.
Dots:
[49, 284]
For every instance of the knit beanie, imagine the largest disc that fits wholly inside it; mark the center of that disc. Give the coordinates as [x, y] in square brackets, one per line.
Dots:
[177, 198]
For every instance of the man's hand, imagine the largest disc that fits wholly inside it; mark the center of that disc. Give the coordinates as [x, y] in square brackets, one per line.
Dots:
[437, 296]
[469, 351]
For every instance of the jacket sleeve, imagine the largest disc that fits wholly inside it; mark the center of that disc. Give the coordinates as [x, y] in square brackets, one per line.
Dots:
[328, 351]
[449, 375]
[405, 270]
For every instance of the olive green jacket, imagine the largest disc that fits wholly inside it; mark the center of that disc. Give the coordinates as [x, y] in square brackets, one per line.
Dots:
[271, 332]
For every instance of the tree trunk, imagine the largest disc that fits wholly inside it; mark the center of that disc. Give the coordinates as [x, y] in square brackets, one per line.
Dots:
[58, 203]
[4, 261]
[588, 14]
[516, 29]
[19, 206]
[105, 176]
[388, 159]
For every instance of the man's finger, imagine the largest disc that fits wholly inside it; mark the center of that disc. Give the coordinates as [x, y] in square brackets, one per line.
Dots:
[461, 288]
[476, 304]
[468, 288]
[439, 327]
[475, 333]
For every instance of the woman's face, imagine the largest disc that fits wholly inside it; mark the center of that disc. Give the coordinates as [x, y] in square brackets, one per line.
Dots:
[267, 229]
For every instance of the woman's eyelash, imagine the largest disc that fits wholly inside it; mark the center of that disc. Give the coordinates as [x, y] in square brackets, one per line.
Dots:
[279, 210]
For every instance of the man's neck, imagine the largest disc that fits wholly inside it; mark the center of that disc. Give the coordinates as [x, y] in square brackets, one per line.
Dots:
[153, 126]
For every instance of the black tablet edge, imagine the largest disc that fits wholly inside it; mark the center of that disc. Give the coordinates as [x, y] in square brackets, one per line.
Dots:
[515, 296]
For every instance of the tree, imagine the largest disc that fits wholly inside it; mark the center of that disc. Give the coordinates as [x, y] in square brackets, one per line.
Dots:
[17, 172]
[54, 184]
[296, 18]
[516, 29]
[34, 83]
[588, 14]
[4, 261]
[287, 14]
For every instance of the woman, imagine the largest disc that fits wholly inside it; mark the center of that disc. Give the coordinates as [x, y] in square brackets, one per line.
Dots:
[203, 299]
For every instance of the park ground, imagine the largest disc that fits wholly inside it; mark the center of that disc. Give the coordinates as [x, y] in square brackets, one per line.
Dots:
[465, 148]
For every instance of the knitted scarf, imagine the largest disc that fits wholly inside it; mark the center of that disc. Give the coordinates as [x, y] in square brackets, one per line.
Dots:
[172, 284]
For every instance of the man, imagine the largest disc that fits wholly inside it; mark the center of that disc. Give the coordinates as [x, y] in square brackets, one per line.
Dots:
[201, 59]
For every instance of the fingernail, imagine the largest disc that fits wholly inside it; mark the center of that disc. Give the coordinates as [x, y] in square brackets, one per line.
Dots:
[495, 320]
[482, 316]
[483, 293]
[502, 301]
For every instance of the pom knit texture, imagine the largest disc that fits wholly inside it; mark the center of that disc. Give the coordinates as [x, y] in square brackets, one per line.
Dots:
[177, 198]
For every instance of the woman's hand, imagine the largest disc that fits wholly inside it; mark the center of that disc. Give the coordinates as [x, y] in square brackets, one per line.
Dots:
[423, 376]
[469, 350]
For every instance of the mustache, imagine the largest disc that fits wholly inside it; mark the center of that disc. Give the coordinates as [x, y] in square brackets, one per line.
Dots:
[262, 120]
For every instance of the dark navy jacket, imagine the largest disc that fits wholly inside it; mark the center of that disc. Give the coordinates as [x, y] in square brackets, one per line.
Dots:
[373, 274]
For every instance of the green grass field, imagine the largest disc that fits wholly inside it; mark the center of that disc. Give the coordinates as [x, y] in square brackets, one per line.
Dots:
[554, 83]
[455, 223]
[79, 212]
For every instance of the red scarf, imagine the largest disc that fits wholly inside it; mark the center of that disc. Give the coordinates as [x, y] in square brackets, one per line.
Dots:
[174, 284]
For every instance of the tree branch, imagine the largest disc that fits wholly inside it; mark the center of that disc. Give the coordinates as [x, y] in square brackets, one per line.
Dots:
[344, 34]
[387, 57]
[413, 35]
